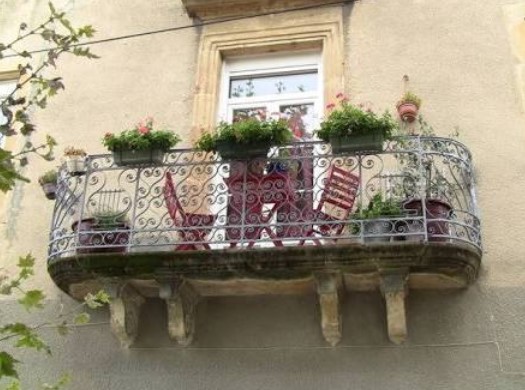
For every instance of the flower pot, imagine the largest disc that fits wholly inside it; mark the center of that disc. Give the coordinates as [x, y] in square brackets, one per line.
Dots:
[76, 165]
[376, 228]
[138, 157]
[234, 151]
[407, 112]
[363, 143]
[437, 212]
[50, 190]
[93, 238]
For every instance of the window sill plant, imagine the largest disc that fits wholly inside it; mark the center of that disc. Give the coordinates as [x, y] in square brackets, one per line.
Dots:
[351, 129]
[75, 160]
[140, 145]
[48, 181]
[104, 231]
[408, 107]
[245, 139]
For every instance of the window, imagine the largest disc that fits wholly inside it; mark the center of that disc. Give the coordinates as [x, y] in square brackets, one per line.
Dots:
[268, 86]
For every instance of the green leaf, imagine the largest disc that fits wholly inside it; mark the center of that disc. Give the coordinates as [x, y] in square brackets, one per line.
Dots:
[32, 299]
[81, 319]
[14, 385]
[27, 261]
[7, 365]
[52, 8]
[99, 299]
[25, 54]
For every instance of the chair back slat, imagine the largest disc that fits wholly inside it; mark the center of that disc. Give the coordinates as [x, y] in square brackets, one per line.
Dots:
[340, 190]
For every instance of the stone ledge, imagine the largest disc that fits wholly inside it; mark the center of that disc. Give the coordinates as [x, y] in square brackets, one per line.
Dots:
[220, 9]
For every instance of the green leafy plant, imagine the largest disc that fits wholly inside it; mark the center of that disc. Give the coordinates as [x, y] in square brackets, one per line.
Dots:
[247, 132]
[346, 119]
[109, 219]
[142, 136]
[410, 97]
[50, 177]
[377, 208]
[61, 37]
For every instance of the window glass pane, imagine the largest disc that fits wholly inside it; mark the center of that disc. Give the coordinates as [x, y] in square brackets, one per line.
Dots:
[300, 119]
[245, 113]
[273, 85]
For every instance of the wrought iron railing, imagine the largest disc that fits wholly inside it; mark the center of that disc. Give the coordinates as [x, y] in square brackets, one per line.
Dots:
[421, 188]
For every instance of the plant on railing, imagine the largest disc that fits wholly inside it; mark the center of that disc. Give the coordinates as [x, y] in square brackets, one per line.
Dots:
[408, 107]
[245, 138]
[142, 144]
[75, 160]
[48, 181]
[350, 128]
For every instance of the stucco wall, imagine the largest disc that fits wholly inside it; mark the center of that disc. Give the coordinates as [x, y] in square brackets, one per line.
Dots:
[459, 57]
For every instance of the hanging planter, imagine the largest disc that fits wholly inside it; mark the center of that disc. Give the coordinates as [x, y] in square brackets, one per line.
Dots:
[138, 157]
[351, 129]
[141, 145]
[75, 160]
[48, 181]
[245, 139]
[364, 143]
[408, 107]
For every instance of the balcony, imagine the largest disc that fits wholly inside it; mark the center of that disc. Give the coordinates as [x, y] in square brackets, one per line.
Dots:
[297, 221]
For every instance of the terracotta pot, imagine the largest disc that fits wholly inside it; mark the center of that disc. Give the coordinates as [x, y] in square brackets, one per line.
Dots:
[407, 112]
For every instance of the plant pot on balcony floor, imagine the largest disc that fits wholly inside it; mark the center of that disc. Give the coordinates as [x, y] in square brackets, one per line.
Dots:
[437, 212]
[93, 238]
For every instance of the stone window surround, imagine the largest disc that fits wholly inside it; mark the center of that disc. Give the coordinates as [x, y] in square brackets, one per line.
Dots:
[321, 29]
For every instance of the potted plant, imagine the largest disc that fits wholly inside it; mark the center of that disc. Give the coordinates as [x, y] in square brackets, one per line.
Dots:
[351, 129]
[105, 231]
[245, 139]
[48, 181]
[75, 160]
[140, 145]
[379, 219]
[408, 107]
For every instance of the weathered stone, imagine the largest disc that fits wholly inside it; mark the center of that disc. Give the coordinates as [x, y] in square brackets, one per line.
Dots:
[330, 291]
[394, 289]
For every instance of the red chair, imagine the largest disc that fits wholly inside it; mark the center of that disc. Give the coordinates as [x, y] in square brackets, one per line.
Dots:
[337, 200]
[194, 227]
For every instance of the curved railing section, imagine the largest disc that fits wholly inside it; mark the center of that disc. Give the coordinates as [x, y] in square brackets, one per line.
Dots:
[419, 189]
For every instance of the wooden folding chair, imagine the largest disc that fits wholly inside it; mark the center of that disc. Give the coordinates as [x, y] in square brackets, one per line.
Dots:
[194, 227]
[337, 200]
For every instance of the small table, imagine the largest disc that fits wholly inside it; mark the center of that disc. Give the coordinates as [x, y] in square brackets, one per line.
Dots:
[250, 194]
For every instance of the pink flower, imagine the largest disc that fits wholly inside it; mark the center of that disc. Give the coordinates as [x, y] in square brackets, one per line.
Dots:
[339, 95]
[143, 130]
[108, 135]
[330, 106]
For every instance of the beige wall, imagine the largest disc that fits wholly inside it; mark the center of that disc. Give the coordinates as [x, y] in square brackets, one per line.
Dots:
[461, 59]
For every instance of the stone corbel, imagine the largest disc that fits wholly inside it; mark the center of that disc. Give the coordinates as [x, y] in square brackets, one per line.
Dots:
[394, 288]
[181, 301]
[124, 310]
[330, 292]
